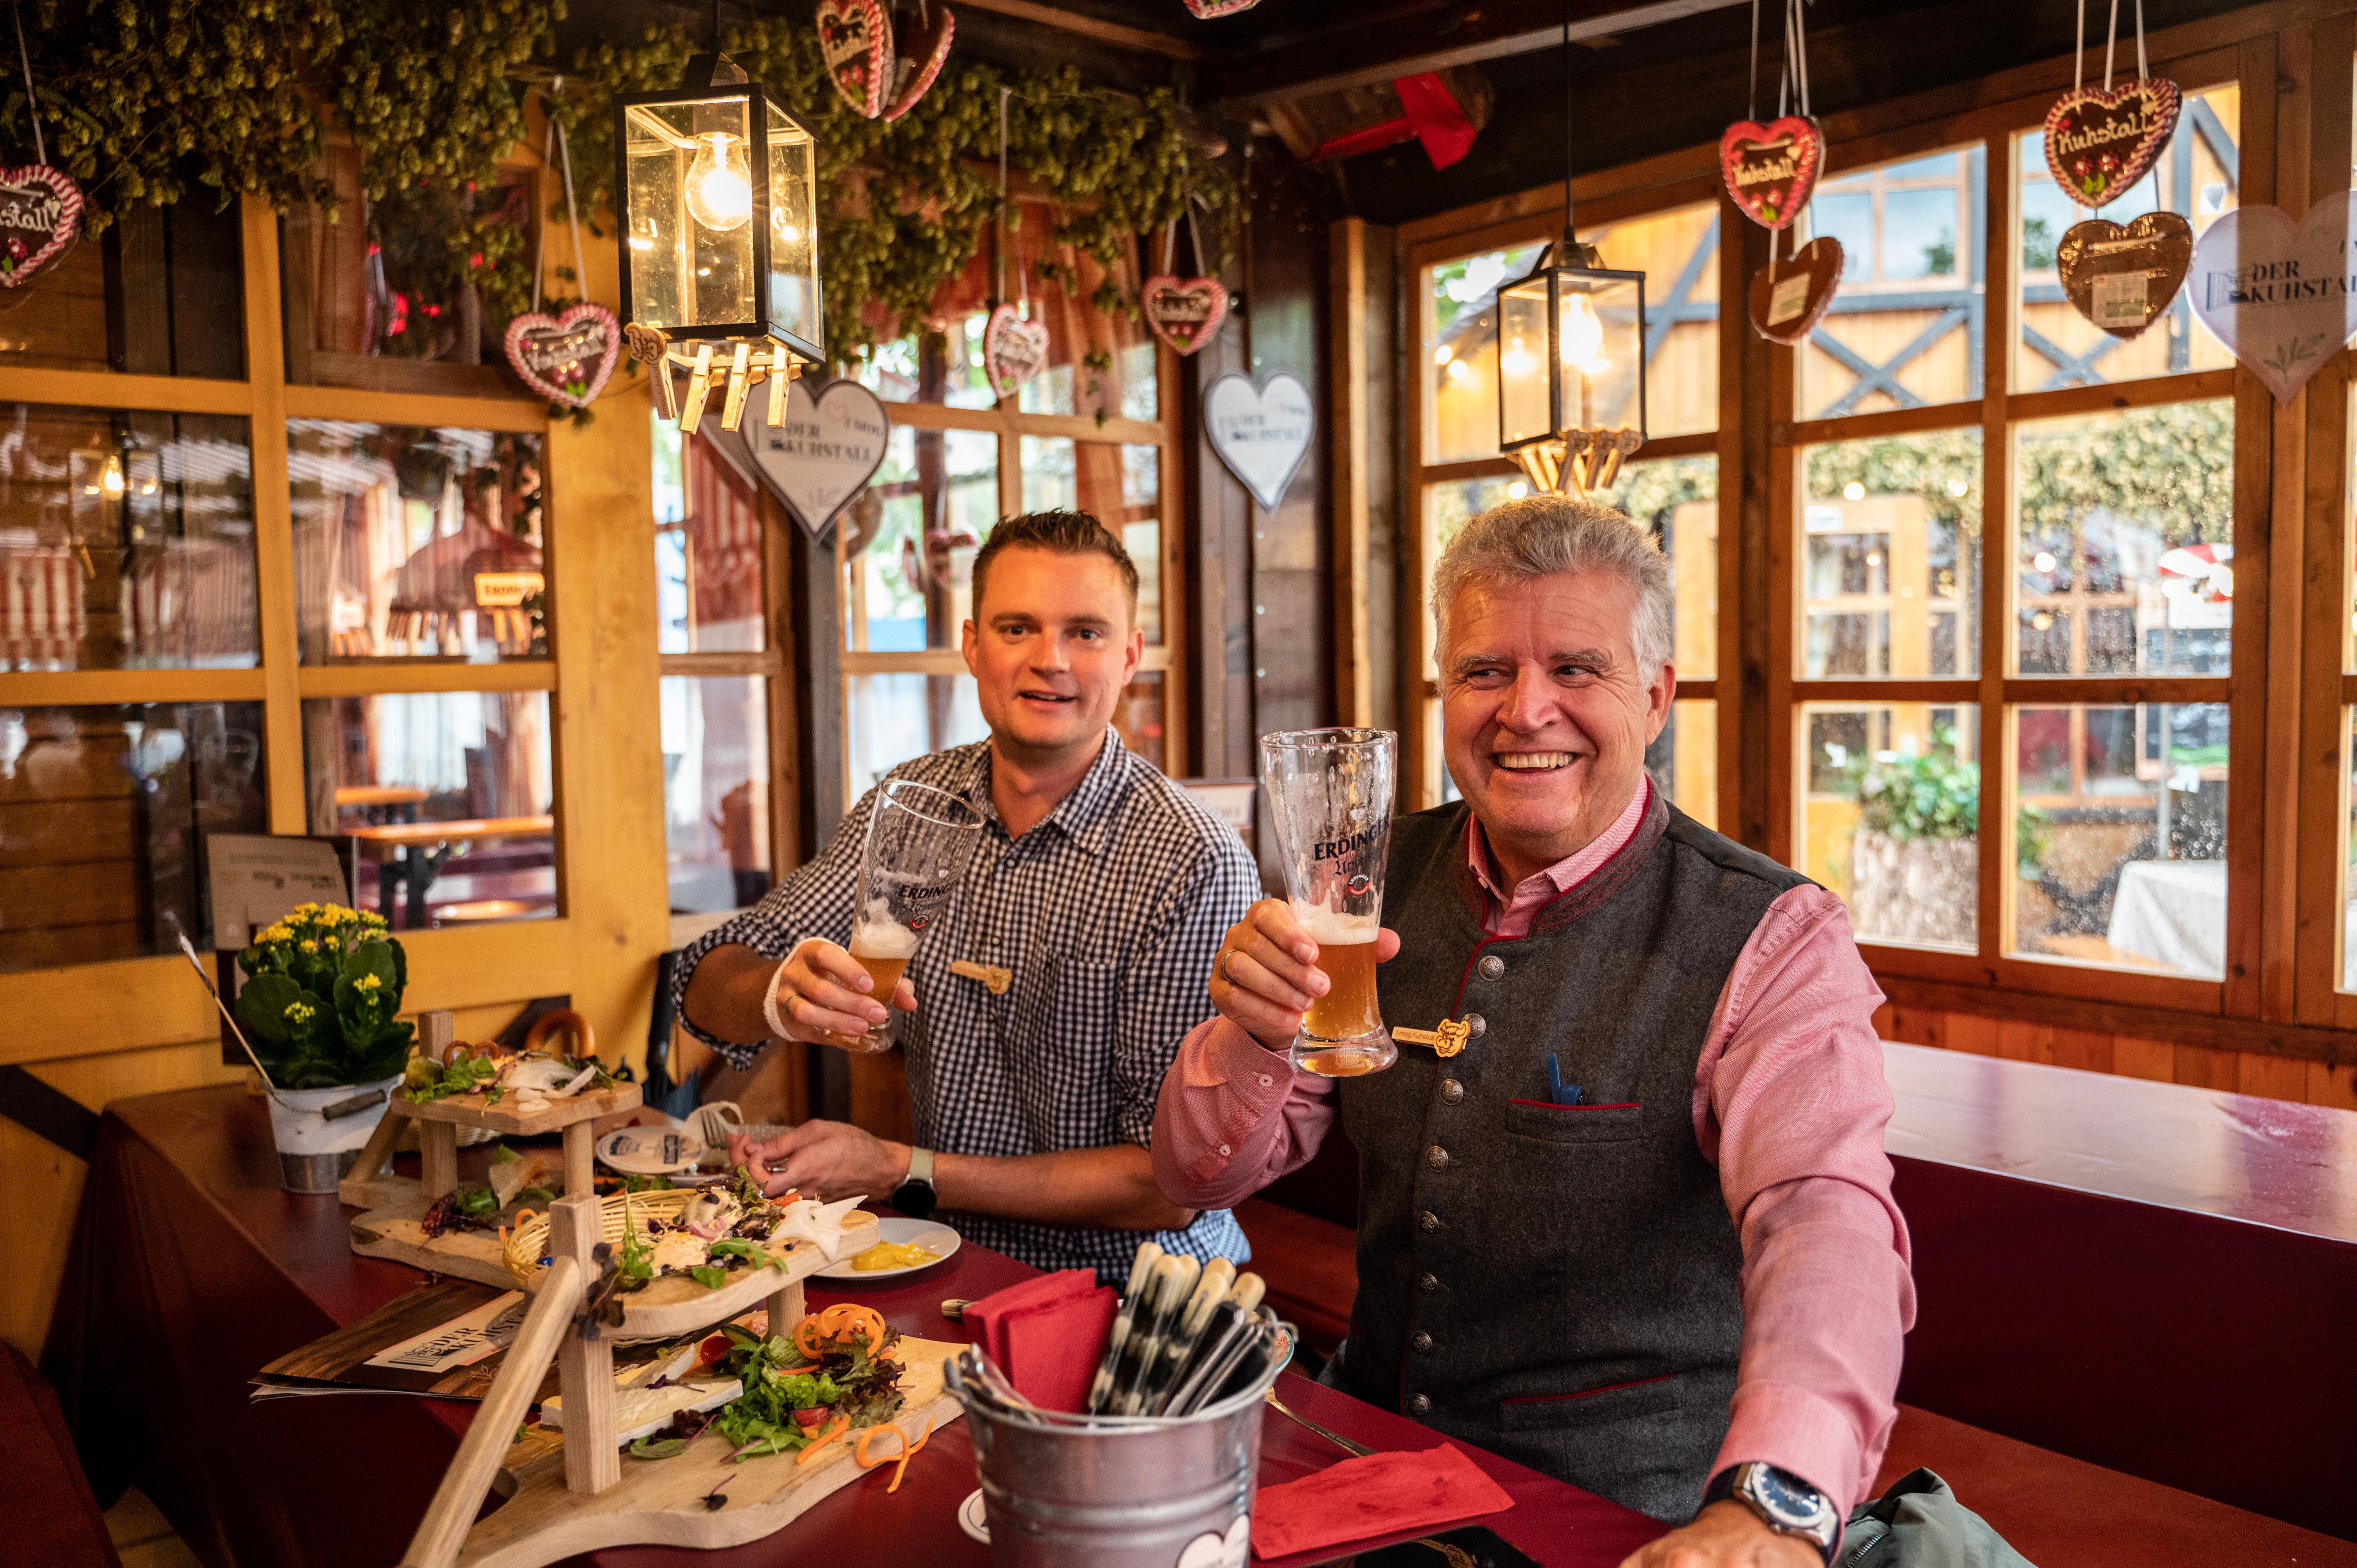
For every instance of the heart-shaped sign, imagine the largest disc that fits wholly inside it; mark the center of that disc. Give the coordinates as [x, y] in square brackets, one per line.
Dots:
[821, 458]
[40, 213]
[2098, 144]
[855, 39]
[1214, 1549]
[2275, 293]
[1787, 300]
[1771, 169]
[1185, 312]
[2122, 276]
[566, 358]
[1211, 10]
[1262, 432]
[1013, 351]
[922, 38]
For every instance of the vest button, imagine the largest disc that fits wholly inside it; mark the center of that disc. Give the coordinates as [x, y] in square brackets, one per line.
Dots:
[1475, 1026]
[1420, 1405]
[1451, 1091]
[1491, 966]
[1436, 1157]
[1427, 1282]
[1421, 1341]
[1428, 1220]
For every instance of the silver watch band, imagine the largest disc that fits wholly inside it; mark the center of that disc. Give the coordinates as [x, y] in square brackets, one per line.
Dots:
[920, 1166]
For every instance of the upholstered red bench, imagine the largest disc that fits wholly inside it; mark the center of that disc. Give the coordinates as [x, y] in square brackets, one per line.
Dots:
[1311, 1266]
[52, 1517]
[2062, 1512]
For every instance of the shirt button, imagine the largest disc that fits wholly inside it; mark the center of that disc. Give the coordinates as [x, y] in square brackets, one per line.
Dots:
[1491, 966]
[1475, 1026]
[1428, 1220]
[1420, 1405]
[1451, 1091]
[1427, 1282]
[1421, 1342]
[1223, 1148]
[1436, 1157]
[1266, 1080]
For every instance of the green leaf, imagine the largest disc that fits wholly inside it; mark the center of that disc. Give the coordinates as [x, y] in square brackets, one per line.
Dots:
[262, 1004]
[709, 1277]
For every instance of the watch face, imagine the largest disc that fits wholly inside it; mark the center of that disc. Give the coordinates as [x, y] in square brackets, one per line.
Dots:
[1785, 1497]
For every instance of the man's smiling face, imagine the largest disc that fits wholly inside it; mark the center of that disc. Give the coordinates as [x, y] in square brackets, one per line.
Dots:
[1546, 713]
[1051, 649]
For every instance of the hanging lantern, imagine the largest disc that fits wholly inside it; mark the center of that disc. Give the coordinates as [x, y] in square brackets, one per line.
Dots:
[717, 204]
[1571, 371]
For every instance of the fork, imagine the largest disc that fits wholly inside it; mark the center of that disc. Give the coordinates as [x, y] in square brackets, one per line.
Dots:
[1335, 1438]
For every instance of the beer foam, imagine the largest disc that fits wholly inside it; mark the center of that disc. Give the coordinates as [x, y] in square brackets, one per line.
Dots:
[878, 935]
[1330, 928]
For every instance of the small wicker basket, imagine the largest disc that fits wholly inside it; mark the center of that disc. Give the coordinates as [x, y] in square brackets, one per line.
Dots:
[526, 1249]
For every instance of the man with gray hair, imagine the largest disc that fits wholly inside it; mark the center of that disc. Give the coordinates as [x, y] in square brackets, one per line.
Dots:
[1638, 1231]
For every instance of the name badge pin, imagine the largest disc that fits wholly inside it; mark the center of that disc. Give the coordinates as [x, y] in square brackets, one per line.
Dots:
[1446, 1041]
[996, 979]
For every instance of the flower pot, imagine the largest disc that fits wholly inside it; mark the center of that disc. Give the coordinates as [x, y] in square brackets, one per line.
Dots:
[1915, 890]
[315, 1150]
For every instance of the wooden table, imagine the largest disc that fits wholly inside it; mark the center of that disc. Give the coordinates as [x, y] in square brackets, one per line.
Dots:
[190, 1268]
[382, 803]
[413, 852]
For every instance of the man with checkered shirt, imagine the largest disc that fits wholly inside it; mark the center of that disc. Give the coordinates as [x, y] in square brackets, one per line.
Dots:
[1102, 886]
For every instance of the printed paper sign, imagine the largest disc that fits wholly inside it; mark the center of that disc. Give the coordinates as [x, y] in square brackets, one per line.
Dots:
[2279, 295]
[462, 1342]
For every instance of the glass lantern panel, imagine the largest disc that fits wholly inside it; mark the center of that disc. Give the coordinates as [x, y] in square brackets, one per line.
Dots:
[794, 230]
[1601, 333]
[689, 220]
[1522, 396]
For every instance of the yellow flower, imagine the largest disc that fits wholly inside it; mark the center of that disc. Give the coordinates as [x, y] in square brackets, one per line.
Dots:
[307, 945]
[368, 982]
[300, 1012]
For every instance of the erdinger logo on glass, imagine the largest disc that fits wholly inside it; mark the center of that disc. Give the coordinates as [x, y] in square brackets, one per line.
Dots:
[1344, 848]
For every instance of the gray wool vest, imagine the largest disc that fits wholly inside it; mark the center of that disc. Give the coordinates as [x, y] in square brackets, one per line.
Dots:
[1557, 1285]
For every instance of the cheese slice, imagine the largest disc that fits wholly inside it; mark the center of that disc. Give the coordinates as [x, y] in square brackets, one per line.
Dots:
[639, 1411]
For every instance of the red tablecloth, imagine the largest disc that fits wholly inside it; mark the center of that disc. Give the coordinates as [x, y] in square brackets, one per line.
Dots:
[190, 1268]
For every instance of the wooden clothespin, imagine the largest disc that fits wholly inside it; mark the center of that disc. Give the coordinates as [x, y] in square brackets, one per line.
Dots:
[998, 980]
[1446, 1041]
[732, 408]
[699, 390]
[782, 373]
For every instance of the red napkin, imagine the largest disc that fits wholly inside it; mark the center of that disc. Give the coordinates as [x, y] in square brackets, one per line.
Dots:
[1047, 1335]
[1382, 1494]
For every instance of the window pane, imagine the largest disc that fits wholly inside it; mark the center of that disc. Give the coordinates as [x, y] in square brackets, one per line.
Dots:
[942, 367]
[2120, 841]
[716, 745]
[162, 293]
[1684, 760]
[1101, 360]
[102, 816]
[908, 543]
[417, 543]
[1678, 253]
[1889, 557]
[891, 718]
[1905, 330]
[1460, 353]
[1139, 716]
[708, 545]
[126, 541]
[2124, 543]
[449, 793]
[1890, 817]
[1121, 487]
[1677, 500]
[2194, 177]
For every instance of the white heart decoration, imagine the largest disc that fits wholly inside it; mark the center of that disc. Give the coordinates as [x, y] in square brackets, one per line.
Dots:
[2280, 296]
[1213, 1550]
[566, 358]
[1013, 351]
[40, 214]
[1262, 432]
[818, 461]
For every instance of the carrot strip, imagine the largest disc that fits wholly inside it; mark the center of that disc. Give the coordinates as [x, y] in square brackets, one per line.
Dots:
[867, 1435]
[923, 1437]
[842, 1424]
[897, 1471]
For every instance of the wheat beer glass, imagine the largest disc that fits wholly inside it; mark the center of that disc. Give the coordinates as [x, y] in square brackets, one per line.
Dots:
[1329, 795]
[920, 842]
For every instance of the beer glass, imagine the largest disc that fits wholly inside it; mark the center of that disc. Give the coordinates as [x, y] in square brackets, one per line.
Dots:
[920, 842]
[1329, 795]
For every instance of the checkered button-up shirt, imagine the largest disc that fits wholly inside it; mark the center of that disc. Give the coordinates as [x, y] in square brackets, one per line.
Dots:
[1108, 912]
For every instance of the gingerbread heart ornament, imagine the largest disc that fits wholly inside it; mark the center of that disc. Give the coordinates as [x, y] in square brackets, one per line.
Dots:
[40, 214]
[1013, 351]
[855, 39]
[1211, 10]
[1185, 312]
[1787, 300]
[2122, 276]
[566, 358]
[1771, 169]
[2098, 144]
[922, 39]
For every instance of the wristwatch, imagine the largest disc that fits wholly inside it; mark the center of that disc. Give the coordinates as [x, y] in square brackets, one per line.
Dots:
[1785, 1503]
[915, 1196]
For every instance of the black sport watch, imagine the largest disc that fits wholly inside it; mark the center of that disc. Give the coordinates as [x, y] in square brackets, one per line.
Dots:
[1785, 1503]
[915, 1196]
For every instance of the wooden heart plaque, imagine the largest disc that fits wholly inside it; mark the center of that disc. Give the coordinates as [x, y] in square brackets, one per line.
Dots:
[1788, 299]
[855, 39]
[1771, 169]
[1185, 312]
[566, 358]
[2098, 144]
[2122, 276]
[40, 213]
[921, 38]
[1013, 351]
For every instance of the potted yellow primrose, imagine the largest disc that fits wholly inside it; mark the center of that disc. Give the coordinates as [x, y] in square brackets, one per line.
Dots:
[322, 987]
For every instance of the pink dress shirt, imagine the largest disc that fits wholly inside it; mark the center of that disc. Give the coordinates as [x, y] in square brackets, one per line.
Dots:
[1788, 1103]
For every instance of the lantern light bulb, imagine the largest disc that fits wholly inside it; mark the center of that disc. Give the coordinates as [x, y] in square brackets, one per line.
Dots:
[113, 478]
[719, 186]
[1516, 362]
[1582, 334]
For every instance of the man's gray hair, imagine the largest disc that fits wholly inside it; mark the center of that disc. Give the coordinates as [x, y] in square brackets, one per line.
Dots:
[1547, 536]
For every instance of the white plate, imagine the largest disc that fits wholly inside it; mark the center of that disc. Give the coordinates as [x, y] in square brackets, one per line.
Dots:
[973, 1519]
[923, 1233]
[651, 1151]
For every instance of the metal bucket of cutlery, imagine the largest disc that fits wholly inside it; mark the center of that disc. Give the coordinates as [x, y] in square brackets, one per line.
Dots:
[1075, 1491]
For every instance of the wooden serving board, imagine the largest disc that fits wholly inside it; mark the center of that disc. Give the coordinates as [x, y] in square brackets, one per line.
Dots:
[468, 1110]
[675, 1307]
[394, 1232]
[664, 1502]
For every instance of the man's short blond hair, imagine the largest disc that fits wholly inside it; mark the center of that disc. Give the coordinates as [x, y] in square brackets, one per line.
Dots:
[1549, 536]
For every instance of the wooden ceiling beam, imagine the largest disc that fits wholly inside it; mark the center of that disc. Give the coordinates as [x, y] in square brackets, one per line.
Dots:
[1113, 33]
[1421, 38]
